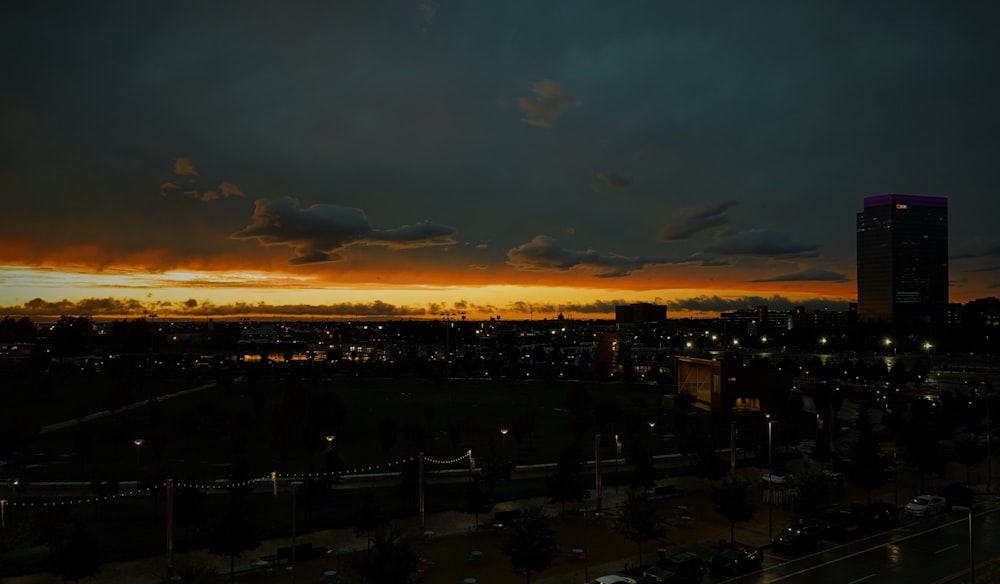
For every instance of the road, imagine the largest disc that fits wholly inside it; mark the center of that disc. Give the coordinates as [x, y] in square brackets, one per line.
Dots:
[920, 550]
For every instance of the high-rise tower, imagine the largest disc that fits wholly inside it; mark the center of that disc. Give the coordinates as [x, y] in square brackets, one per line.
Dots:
[903, 260]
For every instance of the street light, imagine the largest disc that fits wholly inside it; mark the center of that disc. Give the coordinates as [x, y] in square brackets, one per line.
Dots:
[138, 444]
[329, 441]
[770, 480]
[651, 425]
[503, 440]
[295, 490]
[618, 454]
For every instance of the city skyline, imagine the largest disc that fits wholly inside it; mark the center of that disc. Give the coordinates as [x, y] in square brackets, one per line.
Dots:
[422, 158]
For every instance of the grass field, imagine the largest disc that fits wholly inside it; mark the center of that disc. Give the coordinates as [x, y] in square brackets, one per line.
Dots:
[250, 429]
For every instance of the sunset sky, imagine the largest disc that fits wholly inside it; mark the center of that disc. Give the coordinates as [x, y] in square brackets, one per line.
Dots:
[518, 158]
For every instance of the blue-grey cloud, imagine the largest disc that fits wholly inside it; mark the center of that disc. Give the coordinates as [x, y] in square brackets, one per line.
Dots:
[689, 221]
[807, 275]
[549, 102]
[319, 233]
[612, 181]
[545, 253]
[763, 242]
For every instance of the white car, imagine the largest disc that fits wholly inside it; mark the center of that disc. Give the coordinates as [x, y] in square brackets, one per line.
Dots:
[613, 579]
[926, 505]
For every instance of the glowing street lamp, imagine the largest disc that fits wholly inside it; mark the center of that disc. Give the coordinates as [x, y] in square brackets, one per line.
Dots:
[138, 445]
[503, 439]
[329, 441]
[770, 480]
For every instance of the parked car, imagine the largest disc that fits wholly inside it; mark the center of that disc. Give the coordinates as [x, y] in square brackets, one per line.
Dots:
[840, 524]
[926, 505]
[676, 568]
[613, 579]
[877, 515]
[799, 538]
[958, 496]
[736, 560]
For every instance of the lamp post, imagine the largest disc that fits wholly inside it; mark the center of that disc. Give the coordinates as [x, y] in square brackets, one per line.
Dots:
[989, 452]
[138, 445]
[329, 441]
[651, 425]
[895, 478]
[295, 490]
[770, 481]
[586, 548]
[503, 440]
[618, 454]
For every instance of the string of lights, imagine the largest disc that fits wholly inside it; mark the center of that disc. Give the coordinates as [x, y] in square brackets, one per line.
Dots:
[218, 485]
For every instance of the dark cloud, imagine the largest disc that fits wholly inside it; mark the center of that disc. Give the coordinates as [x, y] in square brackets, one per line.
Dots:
[549, 102]
[319, 233]
[713, 303]
[763, 242]
[807, 275]
[422, 234]
[689, 221]
[612, 181]
[545, 253]
[115, 307]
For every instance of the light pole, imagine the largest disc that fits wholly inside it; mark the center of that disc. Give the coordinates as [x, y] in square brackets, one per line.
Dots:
[295, 490]
[618, 454]
[651, 425]
[503, 441]
[329, 441]
[895, 478]
[586, 548]
[770, 481]
[138, 445]
[989, 453]
[732, 444]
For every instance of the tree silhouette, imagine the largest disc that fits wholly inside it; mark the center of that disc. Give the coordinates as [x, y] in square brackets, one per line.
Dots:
[477, 501]
[392, 558]
[75, 553]
[869, 468]
[387, 433]
[639, 520]
[531, 546]
[566, 483]
[369, 519]
[235, 531]
[968, 451]
[732, 500]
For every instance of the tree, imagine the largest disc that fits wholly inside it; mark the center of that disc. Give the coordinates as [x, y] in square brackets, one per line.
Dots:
[234, 532]
[566, 483]
[477, 501]
[75, 553]
[922, 449]
[643, 469]
[391, 559]
[968, 451]
[387, 433]
[869, 468]
[369, 519]
[732, 500]
[639, 520]
[532, 545]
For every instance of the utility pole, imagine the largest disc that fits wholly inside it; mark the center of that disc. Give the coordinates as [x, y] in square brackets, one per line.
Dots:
[597, 469]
